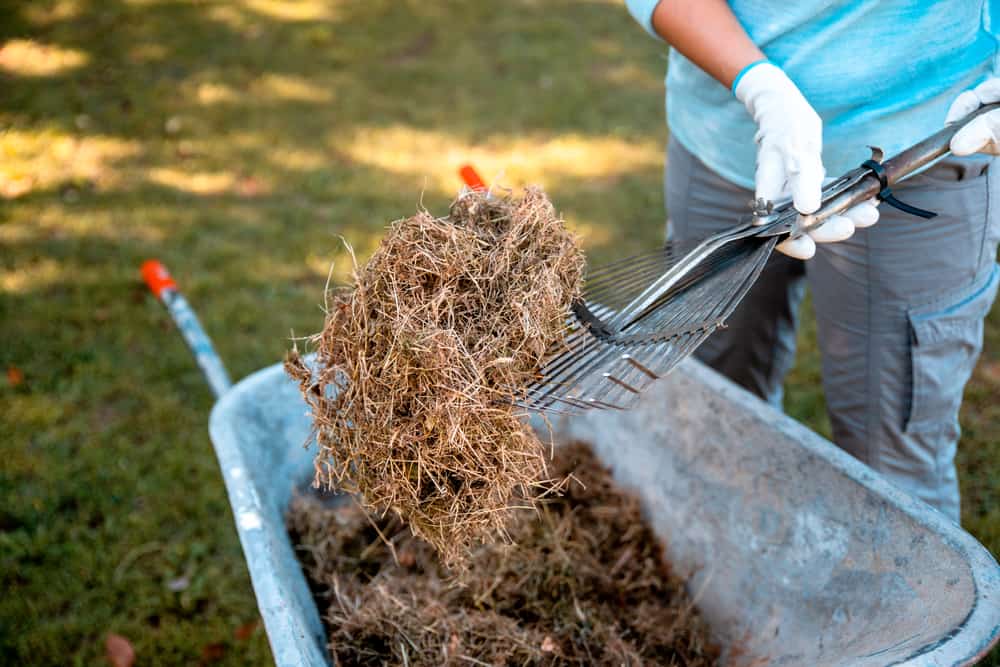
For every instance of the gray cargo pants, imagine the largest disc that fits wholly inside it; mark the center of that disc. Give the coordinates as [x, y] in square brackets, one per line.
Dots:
[899, 308]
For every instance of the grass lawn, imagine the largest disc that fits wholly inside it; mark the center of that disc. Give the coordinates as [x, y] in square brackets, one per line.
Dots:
[237, 141]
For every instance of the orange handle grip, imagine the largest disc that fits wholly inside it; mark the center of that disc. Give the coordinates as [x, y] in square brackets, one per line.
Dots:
[157, 277]
[471, 177]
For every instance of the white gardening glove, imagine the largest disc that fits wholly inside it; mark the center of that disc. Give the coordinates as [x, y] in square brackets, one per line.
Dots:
[982, 135]
[789, 156]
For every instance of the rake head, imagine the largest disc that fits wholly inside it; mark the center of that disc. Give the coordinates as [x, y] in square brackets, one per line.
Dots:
[639, 317]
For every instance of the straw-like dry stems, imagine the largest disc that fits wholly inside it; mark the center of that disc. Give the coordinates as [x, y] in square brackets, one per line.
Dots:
[420, 360]
[584, 584]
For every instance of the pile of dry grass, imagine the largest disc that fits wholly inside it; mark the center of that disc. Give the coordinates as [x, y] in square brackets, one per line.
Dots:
[443, 328]
[584, 584]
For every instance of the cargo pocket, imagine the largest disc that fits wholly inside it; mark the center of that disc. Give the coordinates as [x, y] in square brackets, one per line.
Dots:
[945, 342]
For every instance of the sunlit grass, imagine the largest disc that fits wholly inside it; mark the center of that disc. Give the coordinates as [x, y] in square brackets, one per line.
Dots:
[198, 183]
[29, 58]
[43, 14]
[40, 159]
[517, 161]
[293, 10]
[282, 87]
[43, 273]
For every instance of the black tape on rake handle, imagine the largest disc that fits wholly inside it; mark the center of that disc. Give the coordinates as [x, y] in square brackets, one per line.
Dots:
[886, 195]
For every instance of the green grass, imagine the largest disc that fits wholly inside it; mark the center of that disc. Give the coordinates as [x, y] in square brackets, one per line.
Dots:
[237, 141]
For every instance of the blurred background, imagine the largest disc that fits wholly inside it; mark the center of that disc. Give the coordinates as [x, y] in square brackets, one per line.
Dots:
[238, 141]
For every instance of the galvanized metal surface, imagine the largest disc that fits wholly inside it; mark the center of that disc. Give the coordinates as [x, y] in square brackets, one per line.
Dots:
[797, 553]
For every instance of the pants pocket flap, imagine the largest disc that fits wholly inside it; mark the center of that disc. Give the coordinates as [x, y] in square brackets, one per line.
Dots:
[947, 336]
[939, 322]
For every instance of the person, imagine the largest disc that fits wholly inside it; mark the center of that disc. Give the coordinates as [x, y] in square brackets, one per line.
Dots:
[766, 99]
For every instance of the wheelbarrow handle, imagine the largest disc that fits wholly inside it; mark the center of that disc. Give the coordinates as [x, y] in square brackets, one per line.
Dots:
[163, 287]
[471, 177]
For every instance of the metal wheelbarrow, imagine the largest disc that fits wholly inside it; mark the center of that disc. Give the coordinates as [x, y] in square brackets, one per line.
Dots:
[796, 553]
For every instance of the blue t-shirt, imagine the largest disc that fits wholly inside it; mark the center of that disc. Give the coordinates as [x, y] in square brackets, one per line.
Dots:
[878, 72]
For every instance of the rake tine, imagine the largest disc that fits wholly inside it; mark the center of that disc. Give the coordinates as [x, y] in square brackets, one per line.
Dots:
[547, 407]
[671, 250]
[567, 375]
[602, 404]
[550, 410]
[616, 284]
[601, 383]
[668, 255]
[569, 371]
[609, 389]
[599, 393]
[563, 373]
[611, 378]
[657, 257]
[573, 401]
[588, 345]
[605, 277]
[630, 359]
[747, 253]
[627, 261]
[625, 288]
[590, 372]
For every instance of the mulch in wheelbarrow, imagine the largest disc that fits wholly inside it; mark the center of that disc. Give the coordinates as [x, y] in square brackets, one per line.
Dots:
[421, 360]
[584, 583]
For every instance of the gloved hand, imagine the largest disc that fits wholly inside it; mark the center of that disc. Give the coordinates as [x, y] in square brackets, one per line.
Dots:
[982, 135]
[789, 156]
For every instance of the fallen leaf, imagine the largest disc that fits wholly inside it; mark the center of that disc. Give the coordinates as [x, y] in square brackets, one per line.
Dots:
[119, 650]
[212, 653]
[14, 376]
[245, 631]
[249, 187]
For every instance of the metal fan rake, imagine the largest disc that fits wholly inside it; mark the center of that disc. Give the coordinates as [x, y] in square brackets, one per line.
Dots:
[615, 345]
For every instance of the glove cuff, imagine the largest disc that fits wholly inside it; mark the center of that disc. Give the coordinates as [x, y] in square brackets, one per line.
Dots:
[739, 77]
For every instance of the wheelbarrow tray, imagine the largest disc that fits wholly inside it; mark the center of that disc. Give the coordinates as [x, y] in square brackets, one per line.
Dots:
[796, 553]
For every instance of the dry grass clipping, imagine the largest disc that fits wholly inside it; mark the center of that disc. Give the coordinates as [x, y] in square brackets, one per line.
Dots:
[443, 328]
[585, 584]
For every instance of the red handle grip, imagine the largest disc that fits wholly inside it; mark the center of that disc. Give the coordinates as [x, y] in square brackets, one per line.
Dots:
[471, 177]
[157, 277]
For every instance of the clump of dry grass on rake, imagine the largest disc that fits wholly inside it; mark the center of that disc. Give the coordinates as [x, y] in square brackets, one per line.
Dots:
[421, 359]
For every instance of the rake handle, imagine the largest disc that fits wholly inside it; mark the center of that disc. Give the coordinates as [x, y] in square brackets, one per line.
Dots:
[897, 168]
[922, 153]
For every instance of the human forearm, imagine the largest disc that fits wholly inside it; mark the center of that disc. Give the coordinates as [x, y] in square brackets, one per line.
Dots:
[789, 131]
[708, 34]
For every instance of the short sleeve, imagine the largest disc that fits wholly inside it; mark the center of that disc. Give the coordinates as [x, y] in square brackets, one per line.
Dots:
[642, 11]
